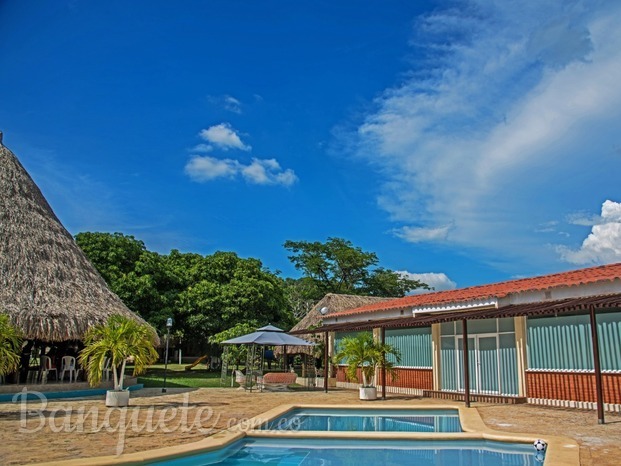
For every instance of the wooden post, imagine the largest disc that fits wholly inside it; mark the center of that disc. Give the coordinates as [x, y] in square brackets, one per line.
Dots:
[597, 367]
[326, 363]
[383, 341]
[466, 365]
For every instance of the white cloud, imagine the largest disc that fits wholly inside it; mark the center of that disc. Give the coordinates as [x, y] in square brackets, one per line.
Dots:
[227, 102]
[268, 171]
[547, 227]
[209, 168]
[611, 211]
[583, 219]
[507, 93]
[224, 137]
[259, 171]
[437, 281]
[418, 235]
[232, 104]
[603, 245]
[202, 148]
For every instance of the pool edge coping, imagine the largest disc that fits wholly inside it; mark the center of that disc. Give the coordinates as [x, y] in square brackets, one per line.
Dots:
[562, 451]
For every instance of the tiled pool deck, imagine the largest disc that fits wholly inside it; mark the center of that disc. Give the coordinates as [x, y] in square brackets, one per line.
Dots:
[562, 451]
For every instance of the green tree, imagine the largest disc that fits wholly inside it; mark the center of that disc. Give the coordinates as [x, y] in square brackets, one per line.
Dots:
[301, 295]
[118, 339]
[364, 353]
[138, 276]
[113, 254]
[203, 294]
[337, 266]
[232, 290]
[236, 354]
[382, 282]
[10, 346]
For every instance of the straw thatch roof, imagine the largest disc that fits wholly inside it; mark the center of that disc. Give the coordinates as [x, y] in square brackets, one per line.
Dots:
[334, 303]
[48, 287]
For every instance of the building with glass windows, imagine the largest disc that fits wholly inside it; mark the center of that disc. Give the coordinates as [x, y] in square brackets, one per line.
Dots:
[527, 340]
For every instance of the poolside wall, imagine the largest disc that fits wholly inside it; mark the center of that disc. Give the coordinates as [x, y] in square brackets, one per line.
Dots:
[572, 386]
[408, 378]
[59, 387]
[549, 388]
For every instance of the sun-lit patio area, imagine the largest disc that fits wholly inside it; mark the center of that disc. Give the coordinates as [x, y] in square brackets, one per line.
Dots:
[84, 428]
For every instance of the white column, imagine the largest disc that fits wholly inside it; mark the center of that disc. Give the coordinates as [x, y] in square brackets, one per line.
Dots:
[437, 359]
[520, 346]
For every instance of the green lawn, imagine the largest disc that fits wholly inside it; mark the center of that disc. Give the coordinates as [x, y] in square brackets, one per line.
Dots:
[178, 377]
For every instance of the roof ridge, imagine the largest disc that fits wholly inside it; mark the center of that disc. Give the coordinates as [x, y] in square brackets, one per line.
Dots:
[497, 289]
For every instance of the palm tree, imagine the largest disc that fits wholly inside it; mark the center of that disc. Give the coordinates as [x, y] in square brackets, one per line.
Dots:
[10, 346]
[364, 353]
[118, 339]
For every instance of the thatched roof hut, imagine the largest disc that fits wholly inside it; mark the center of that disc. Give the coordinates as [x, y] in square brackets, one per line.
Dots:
[48, 287]
[334, 303]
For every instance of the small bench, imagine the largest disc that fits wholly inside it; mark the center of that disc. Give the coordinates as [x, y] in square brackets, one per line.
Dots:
[278, 380]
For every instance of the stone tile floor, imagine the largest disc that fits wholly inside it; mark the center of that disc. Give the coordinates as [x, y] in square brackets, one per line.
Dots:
[82, 428]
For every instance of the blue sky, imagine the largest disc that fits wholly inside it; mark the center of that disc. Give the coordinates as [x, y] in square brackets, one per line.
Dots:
[465, 142]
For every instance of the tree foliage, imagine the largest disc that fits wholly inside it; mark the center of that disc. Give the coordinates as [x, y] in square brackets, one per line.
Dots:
[231, 290]
[362, 352]
[203, 294]
[142, 279]
[10, 346]
[301, 296]
[337, 266]
[118, 339]
[236, 354]
[206, 295]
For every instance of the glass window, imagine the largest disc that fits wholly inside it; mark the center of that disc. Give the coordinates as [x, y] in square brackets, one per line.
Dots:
[482, 326]
[560, 343]
[449, 368]
[506, 325]
[414, 344]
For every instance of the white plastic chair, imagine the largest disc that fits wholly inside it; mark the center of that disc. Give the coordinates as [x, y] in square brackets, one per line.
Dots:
[240, 378]
[46, 367]
[68, 365]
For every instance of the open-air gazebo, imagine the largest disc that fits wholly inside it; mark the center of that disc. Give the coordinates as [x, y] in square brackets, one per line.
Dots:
[256, 342]
[48, 288]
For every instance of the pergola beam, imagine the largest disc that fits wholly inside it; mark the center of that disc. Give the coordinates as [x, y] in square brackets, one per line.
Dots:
[596, 365]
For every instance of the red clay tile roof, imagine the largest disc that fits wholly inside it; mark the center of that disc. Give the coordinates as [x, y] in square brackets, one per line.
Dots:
[497, 290]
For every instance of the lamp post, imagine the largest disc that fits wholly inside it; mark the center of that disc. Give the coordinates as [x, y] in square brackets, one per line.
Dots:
[168, 326]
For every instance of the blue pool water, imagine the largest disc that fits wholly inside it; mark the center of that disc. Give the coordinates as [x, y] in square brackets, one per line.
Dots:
[332, 452]
[365, 420]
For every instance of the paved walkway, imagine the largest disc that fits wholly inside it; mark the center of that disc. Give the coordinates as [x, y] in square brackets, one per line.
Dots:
[85, 428]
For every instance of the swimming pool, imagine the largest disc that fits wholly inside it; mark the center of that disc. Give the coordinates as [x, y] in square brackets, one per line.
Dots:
[337, 452]
[367, 420]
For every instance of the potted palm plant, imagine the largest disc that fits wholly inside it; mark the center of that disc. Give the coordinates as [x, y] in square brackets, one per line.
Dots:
[118, 339]
[363, 353]
[10, 346]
